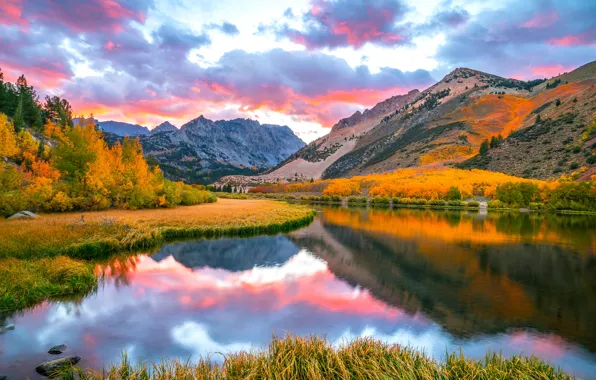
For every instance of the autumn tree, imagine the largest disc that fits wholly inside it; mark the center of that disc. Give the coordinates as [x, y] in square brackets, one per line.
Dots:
[8, 140]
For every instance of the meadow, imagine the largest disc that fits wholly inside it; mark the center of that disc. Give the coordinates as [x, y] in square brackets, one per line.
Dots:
[315, 358]
[54, 255]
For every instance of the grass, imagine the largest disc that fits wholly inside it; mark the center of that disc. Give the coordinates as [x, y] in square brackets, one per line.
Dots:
[27, 282]
[108, 232]
[314, 358]
[53, 256]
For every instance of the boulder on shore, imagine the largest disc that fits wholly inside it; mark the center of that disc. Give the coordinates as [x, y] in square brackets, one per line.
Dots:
[56, 350]
[23, 215]
[6, 328]
[50, 368]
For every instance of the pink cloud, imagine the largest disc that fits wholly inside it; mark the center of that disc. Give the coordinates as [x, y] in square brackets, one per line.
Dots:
[587, 38]
[542, 20]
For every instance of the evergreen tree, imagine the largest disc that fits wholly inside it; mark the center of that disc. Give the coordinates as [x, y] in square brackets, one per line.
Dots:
[484, 147]
[58, 111]
[31, 110]
[538, 119]
[18, 118]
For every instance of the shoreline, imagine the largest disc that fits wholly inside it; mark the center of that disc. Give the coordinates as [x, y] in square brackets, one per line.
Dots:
[54, 255]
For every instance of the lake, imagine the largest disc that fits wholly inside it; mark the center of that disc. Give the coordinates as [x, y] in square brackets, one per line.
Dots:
[436, 280]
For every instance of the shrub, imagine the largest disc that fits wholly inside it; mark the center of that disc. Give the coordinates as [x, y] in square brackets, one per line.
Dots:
[325, 198]
[406, 201]
[380, 201]
[473, 204]
[518, 194]
[536, 206]
[335, 198]
[453, 193]
[360, 200]
[437, 202]
[495, 204]
[419, 202]
[456, 203]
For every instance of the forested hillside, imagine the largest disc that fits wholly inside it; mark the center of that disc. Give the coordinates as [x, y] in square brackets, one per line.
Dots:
[48, 164]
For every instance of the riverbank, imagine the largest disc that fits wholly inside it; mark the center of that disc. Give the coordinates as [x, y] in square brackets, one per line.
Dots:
[74, 241]
[315, 358]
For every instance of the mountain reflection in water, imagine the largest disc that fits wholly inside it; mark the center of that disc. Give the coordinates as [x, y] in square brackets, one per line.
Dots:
[434, 280]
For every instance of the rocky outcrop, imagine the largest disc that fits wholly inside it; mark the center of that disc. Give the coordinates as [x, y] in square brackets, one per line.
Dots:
[52, 367]
[57, 350]
[23, 215]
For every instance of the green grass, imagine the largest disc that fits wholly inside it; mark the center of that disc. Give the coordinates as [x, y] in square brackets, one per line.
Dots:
[314, 358]
[24, 283]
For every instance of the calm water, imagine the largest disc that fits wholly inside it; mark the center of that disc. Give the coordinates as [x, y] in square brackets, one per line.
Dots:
[439, 281]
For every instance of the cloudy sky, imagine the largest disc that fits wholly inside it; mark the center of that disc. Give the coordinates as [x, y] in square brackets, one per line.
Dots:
[303, 63]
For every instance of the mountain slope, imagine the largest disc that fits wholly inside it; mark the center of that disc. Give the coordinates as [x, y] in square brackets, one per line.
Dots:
[203, 150]
[312, 160]
[449, 121]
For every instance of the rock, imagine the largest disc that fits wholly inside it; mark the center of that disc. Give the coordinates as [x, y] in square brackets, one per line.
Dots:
[51, 367]
[57, 349]
[6, 328]
[23, 215]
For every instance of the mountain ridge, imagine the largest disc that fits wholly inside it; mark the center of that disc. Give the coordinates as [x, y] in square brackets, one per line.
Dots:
[443, 125]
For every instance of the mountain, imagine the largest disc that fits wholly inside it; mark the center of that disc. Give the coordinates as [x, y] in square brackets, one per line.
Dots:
[166, 126]
[123, 129]
[312, 160]
[202, 150]
[446, 124]
[234, 255]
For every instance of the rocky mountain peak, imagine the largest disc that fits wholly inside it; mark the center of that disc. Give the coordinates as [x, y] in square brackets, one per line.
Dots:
[166, 126]
[378, 111]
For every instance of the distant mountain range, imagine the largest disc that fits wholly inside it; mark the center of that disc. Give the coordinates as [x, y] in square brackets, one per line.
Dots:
[543, 124]
[202, 150]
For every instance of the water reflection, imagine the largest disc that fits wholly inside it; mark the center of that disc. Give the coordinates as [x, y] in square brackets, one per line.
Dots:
[435, 280]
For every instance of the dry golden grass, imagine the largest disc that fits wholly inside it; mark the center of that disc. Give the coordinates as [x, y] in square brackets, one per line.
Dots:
[93, 234]
[314, 358]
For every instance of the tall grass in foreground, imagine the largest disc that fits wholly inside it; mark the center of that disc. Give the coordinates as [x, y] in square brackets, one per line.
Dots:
[314, 358]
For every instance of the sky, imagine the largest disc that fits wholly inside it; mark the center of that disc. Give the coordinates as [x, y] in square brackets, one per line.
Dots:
[301, 63]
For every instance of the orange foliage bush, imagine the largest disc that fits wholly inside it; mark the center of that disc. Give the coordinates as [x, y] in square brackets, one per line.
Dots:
[343, 187]
[414, 183]
[445, 153]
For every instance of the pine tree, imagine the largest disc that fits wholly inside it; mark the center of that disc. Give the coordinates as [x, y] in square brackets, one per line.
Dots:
[484, 147]
[18, 119]
[538, 119]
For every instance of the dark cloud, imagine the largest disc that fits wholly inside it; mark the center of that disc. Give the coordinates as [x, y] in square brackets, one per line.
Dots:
[446, 18]
[226, 28]
[353, 23]
[86, 16]
[528, 40]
